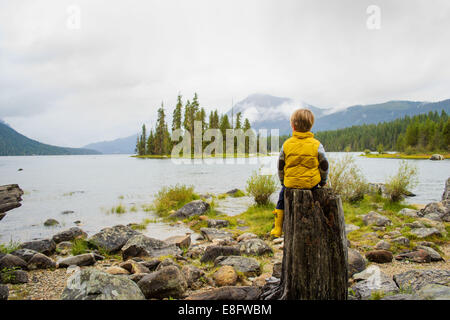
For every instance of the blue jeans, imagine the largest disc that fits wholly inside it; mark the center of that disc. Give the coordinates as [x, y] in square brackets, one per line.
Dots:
[280, 203]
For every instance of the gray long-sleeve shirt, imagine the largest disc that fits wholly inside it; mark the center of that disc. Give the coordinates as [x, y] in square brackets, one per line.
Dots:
[323, 165]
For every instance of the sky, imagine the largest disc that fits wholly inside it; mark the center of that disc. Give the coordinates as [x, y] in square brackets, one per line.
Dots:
[82, 71]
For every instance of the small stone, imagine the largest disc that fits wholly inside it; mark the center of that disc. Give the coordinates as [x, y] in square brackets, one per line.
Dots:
[51, 222]
[86, 259]
[218, 223]
[212, 252]
[180, 241]
[434, 255]
[383, 245]
[116, 270]
[41, 261]
[225, 276]
[248, 266]
[376, 219]
[419, 256]
[401, 241]
[379, 256]
[409, 212]
[165, 283]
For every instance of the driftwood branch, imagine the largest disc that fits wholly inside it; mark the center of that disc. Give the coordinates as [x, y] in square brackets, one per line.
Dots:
[10, 197]
[314, 263]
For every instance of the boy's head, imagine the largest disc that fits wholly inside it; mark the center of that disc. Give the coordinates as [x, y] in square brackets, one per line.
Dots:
[302, 120]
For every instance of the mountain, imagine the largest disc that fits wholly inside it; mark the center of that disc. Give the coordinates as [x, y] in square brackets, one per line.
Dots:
[269, 112]
[13, 143]
[118, 146]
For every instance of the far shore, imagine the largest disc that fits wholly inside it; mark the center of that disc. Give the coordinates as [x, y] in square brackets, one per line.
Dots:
[419, 156]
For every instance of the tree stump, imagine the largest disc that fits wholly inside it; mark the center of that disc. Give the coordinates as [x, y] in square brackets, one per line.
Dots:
[314, 263]
[10, 197]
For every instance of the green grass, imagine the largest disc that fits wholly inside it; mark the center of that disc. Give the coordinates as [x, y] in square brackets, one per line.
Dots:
[173, 198]
[120, 209]
[80, 246]
[9, 247]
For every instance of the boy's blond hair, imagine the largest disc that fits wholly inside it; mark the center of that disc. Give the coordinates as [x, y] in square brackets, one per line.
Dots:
[302, 120]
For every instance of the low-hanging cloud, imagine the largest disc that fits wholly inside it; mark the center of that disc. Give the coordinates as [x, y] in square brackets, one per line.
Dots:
[103, 80]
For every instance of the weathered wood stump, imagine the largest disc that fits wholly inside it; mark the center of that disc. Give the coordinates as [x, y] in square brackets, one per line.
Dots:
[314, 263]
[10, 197]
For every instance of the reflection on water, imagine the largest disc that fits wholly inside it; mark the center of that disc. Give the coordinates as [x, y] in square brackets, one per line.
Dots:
[91, 185]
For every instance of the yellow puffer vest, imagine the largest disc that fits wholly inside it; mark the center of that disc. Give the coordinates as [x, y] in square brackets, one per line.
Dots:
[301, 169]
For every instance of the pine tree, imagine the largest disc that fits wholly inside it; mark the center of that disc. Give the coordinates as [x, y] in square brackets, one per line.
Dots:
[161, 133]
[177, 114]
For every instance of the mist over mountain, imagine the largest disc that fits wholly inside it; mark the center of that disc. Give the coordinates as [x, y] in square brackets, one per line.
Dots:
[13, 143]
[117, 146]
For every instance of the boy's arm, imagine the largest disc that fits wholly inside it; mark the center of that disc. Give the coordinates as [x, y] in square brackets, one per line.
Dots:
[281, 166]
[323, 165]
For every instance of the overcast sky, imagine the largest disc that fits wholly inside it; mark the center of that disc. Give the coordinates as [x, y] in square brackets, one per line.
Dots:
[70, 86]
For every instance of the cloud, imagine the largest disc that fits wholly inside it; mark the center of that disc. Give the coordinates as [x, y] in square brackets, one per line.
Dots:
[100, 82]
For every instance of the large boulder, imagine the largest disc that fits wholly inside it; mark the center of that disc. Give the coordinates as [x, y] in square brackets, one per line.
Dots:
[374, 218]
[434, 292]
[24, 254]
[165, 283]
[40, 261]
[256, 247]
[228, 293]
[248, 266]
[45, 246]
[425, 232]
[379, 256]
[114, 238]
[417, 279]
[436, 211]
[212, 252]
[193, 208]
[92, 284]
[85, 259]
[10, 261]
[4, 292]
[143, 246]
[376, 282]
[356, 262]
[211, 234]
[69, 235]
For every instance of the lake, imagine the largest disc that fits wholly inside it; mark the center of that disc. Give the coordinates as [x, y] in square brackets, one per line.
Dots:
[91, 185]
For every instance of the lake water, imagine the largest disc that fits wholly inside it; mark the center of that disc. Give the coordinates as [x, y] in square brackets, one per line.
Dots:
[91, 185]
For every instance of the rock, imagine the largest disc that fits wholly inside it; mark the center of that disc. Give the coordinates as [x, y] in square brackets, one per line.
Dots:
[417, 279]
[356, 262]
[167, 262]
[143, 246]
[419, 256]
[69, 235]
[4, 292]
[225, 276]
[137, 276]
[374, 218]
[228, 293]
[414, 225]
[246, 236]
[367, 273]
[261, 280]
[151, 264]
[434, 292]
[193, 276]
[134, 267]
[409, 212]
[45, 246]
[115, 270]
[40, 261]
[92, 284]
[67, 212]
[425, 232]
[351, 227]
[434, 255]
[254, 247]
[437, 157]
[248, 266]
[24, 254]
[212, 233]
[86, 259]
[276, 272]
[217, 223]
[51, 222]
[394, 234]
[64, 246]
[114, 238]
[224, 242]
[180, 241]
[377, 282]
[379, 228]
[379, 256]
[383, 245]
[212, 252]
[10, 261]
[193, 208]
[401, 241]
[165, 283]
[14, 277]
[435, 211]
[400, 296]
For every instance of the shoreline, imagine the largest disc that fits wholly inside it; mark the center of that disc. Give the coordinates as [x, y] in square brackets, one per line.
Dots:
[420, 156]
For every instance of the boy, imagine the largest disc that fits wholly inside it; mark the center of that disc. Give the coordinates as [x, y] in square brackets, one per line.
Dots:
[302, 164]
